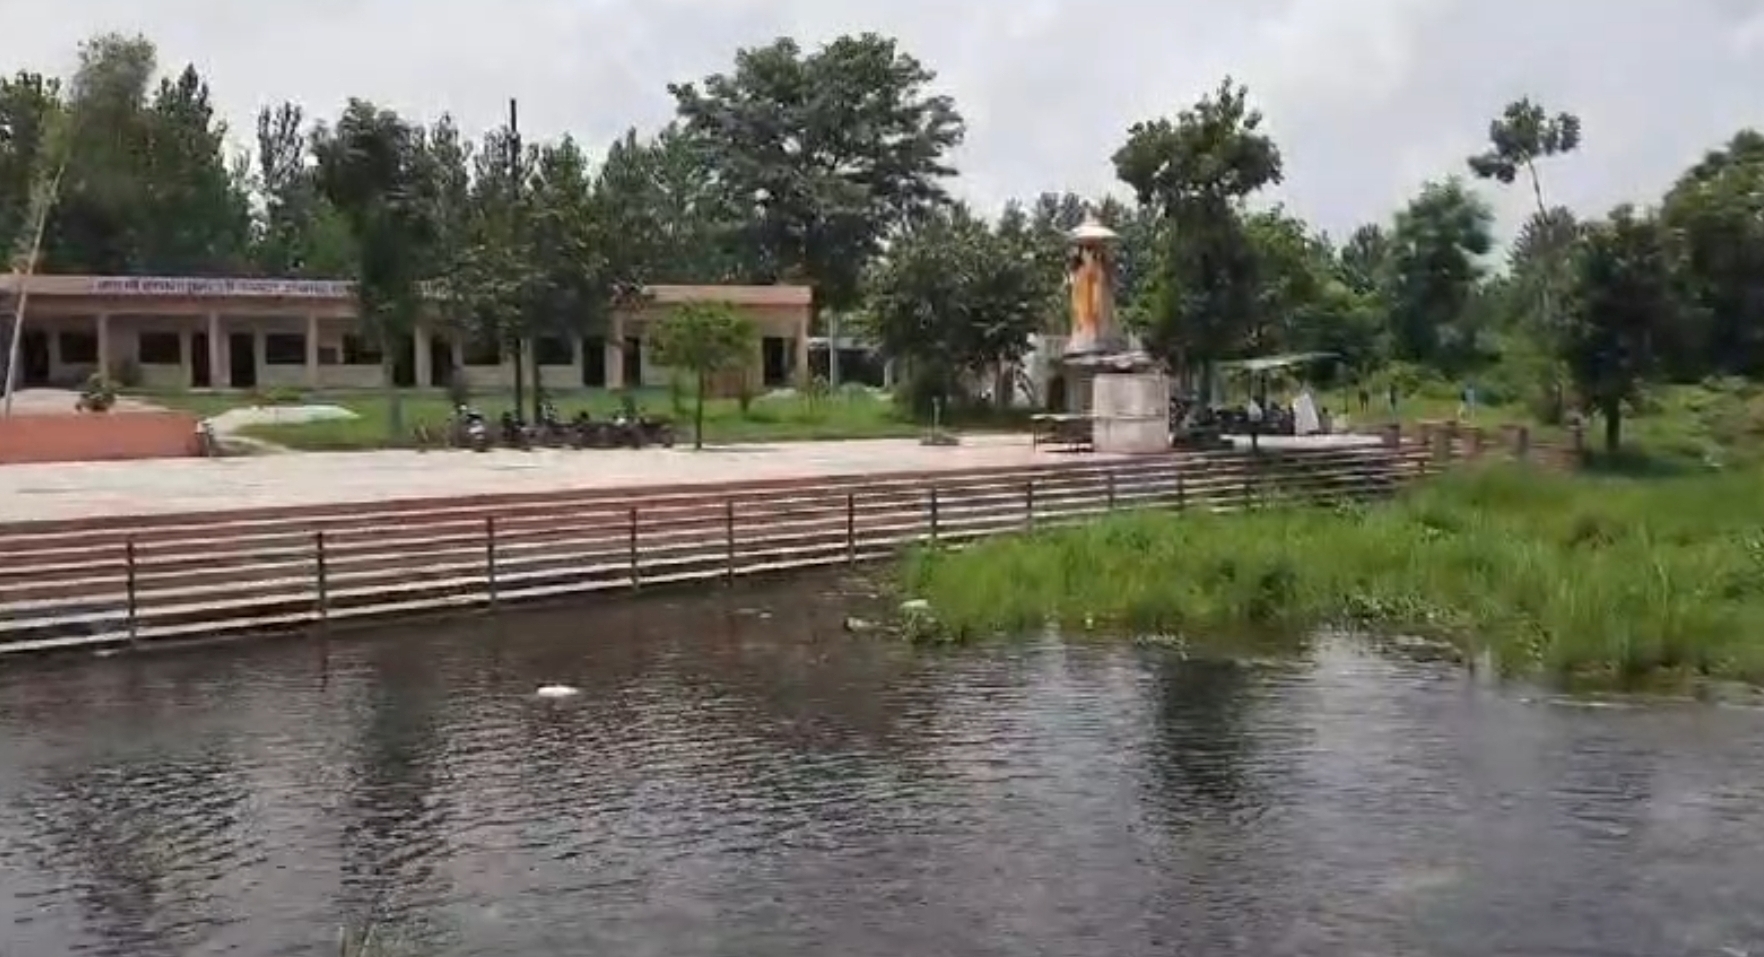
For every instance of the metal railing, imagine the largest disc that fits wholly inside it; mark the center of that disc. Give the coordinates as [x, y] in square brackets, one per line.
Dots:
[192, 578]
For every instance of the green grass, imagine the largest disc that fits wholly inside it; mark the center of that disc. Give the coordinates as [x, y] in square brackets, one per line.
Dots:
[852, 414]
[1576, 579]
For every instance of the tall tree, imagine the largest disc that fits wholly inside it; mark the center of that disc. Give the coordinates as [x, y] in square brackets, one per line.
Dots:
[1196, 172]
[374, 168]
[675, 221]
[1520, 138]
[1435, 266]
[1624, 292]
[299, 233]
[831, 151]
[1716, 211]
[30, 103]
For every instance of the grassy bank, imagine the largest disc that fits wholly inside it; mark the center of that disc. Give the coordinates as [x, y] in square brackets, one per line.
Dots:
[1570, 578]
[775, 418]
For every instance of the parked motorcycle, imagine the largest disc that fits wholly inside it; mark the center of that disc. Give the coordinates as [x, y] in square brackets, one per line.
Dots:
[513, 433]
[468, 430]
[551, 431]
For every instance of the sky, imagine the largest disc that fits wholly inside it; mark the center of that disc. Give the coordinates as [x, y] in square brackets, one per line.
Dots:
[1367, 98]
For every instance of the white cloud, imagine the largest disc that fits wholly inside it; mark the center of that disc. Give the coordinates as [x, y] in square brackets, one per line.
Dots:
[1368, 97]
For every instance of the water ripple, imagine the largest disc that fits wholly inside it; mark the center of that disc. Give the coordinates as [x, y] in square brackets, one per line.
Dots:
[739, 776]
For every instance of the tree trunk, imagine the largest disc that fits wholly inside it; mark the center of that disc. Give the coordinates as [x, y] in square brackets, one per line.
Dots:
[520, 376]
[394, 398]
[538, 389]
[1613, 412]
[698, 412]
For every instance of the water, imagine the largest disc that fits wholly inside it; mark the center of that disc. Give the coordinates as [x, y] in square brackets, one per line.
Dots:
[734, 782]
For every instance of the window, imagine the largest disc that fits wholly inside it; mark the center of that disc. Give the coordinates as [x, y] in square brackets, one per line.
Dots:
[78, 348]
[284, 349]
[159, 349]
[359, 351]
[328, 356]
[480, 351]
[553, 351]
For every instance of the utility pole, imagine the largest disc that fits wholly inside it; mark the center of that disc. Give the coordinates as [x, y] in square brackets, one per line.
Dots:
[518, 339]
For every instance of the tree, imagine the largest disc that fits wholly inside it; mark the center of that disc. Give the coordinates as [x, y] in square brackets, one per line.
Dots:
[1195, 173]
[1519, 138]
[1434, 268]
[1522, 136]
[675, 222]
[298, 232]
[1623, 293]
[373, 168]
[830, 151]
[704, 339]
[954, 297]
[1716, 212]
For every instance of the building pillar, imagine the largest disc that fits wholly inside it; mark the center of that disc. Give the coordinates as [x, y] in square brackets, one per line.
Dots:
[802, 356]
[422, 362]
[524, 356]
[615, 355]
[578, 356]
[102, 329]
[259, 354]
[312, 351]
[218, 374]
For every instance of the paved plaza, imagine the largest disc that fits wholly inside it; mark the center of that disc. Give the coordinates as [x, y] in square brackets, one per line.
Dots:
[98, 489]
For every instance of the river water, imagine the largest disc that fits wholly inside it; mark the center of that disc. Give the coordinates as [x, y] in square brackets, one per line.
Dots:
[741, 777]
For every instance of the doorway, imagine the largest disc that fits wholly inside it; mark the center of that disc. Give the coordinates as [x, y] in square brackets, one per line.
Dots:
[774, 364]
[404, 362]
[33, 359]
[242, 360]
[441, 368]
[633, 366]
[201, 374]
[594, 362]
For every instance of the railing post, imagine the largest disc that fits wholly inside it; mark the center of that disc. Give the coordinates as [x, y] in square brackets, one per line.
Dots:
[1181, 492]
[636, 562]
[1111, 489]
[131, 584]
[934, 515]
[321, 574]
[490, 583]
[851, 528]
[729, 537]
[1029, 505]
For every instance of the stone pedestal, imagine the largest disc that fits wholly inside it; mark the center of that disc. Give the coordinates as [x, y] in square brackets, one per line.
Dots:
[1130, 412]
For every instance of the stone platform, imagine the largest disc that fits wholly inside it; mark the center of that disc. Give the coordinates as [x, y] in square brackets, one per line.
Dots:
[45, 492]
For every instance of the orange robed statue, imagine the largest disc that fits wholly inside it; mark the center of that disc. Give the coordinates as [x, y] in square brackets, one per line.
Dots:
[1090, 279]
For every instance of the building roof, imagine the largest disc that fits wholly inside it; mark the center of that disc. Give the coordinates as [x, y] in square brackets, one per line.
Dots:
[197, 287]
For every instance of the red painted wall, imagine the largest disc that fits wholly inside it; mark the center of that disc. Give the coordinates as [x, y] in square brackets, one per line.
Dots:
[94, 438]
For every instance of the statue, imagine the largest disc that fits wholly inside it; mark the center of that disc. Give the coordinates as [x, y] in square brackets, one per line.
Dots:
[1090, 280]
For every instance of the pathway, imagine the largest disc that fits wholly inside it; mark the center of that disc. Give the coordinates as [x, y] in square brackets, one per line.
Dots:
[103, 489]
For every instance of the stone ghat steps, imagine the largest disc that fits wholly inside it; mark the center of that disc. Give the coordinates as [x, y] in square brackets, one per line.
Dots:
[102, 587]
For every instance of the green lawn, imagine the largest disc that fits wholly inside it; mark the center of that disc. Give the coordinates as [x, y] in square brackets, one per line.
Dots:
[786, 417]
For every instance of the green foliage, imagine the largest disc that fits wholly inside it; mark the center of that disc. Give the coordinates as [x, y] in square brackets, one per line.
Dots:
[1569, 578]
[843, 145]
[1624, 296]
[1204, 285]
[704, 339]
[955, 299]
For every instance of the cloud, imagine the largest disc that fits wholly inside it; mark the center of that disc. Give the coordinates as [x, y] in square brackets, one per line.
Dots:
[1368, 97]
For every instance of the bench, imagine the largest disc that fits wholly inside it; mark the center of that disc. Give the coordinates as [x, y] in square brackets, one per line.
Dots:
[1072, 432]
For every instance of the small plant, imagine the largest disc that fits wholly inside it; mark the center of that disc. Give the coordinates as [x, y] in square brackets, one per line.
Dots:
[97, 394]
